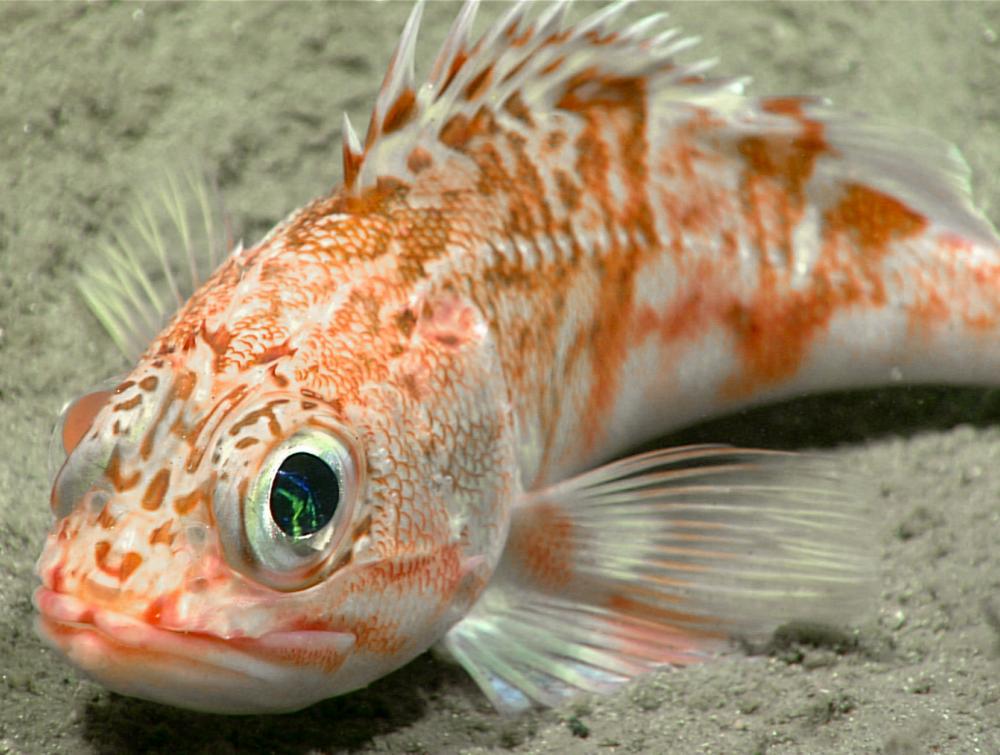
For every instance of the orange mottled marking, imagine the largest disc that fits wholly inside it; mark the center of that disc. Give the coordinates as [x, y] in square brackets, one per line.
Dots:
[774, 330]
[378, 636]
[400, 113]
[265, 412]
[614, 113]
[184, 384]
[419, 160]
[152, 498]
[181, 390]
[124, 406]
[184, 504]
[479, 83]
[163, 604]
[162, 534]
[541, 542]
[872, 219]
[777, 170]
[324, 660]
[129, 562]
[118, 479]
[105, 520]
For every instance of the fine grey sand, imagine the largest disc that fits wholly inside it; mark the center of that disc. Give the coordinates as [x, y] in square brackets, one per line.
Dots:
[96, 99]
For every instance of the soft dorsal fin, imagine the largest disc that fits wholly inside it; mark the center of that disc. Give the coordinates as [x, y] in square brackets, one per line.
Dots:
[174, 239]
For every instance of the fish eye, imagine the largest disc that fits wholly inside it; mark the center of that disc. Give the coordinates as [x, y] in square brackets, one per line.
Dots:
[299, 507]
[304, 495]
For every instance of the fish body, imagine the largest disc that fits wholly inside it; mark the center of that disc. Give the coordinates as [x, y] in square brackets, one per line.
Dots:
[377, 428]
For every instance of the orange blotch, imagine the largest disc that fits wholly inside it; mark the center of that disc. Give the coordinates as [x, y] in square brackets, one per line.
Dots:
[455, 133]
[185, 504]
[479, 83]
[120, 481]
[105, 520]
[156, 490]
[272, 353]
[129, 563]
[400, 113]
[773, 337]
[419, 160]
[351, 164]
[125, 406]
[872, 219]
[516, 107]
[541, 543]
[376, 636]
[456, 65]
[684, 318]
[164, 604]
[149, 383]
[101, 551]
[608, 338]
[775, 329]
[777, 170]
[162, 534]
[80, 416]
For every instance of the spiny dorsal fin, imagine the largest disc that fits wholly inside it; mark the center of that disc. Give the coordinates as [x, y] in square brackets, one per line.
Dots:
[395, 102]
[521, 70]
[534, 60]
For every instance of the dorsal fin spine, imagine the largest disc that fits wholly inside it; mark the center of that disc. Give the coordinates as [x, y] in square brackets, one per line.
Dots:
[455, 44]
[352, 152]
[399, 78]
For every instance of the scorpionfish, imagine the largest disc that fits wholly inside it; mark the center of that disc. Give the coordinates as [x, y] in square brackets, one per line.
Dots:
[388, 424]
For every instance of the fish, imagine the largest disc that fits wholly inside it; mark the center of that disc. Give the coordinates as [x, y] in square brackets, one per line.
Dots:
[398, 420]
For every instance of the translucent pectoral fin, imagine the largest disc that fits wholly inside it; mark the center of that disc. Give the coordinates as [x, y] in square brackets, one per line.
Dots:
[661, 559]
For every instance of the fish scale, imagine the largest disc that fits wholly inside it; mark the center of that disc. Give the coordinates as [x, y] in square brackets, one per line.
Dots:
[564, 243]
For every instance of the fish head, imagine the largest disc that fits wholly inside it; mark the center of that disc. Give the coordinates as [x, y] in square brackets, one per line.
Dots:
[261, 517]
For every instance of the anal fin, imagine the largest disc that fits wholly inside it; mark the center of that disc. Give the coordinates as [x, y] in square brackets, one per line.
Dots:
[661, 559]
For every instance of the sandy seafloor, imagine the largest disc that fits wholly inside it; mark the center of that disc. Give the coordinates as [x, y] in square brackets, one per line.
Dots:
[96, 98]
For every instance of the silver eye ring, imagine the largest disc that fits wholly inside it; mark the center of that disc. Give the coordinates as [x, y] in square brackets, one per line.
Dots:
[300, 505]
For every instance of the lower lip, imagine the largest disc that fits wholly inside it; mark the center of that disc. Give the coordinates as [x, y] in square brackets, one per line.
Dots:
[191, 669]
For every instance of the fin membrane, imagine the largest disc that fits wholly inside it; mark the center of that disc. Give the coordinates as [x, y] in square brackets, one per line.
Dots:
[661, 559]
[173, 241]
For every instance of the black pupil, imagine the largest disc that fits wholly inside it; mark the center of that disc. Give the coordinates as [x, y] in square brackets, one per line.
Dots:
[304, 495]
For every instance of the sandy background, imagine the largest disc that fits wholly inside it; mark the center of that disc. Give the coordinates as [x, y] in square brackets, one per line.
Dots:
[94, 98]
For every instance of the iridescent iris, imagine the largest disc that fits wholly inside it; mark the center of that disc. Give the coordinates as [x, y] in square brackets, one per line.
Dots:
[304, 495]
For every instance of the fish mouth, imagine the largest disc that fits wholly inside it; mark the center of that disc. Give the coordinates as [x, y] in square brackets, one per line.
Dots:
[273, 673]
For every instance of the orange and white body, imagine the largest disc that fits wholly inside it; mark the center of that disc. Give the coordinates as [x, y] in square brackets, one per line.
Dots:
[371, 431]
